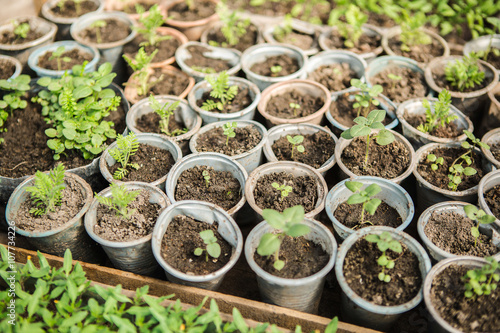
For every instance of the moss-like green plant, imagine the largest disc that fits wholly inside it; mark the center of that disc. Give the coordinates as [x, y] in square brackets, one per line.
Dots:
[441, 115]
[464, 73]
[220, 90]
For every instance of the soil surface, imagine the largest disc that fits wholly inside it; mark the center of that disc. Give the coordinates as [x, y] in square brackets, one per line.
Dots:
[154, 163]
[223, 188]
[350, 216]
[492, 197]
[299, 39]
[72, 201]
[7, 69]
[279, 105]
[447, 131]
[389, 161]
[166, 48]
[288, 65]
[114, 31]
[8, 37]
[200, 59]
[244, 42]
[240, 102]
[304, 192]
[411, 85]
[361, 273]
[302, 258]
[130, 8]
[182, 237]
[171, 83]
[334, 77]
[440, 79]
[420, 53]
[495, 150]
[69, 8]
[75, 57]
[344, 112]
[479, 314]
[215, 141]
[149, 123]
[318, 148]
[113, 227]
[200, 10]
[440, 178]
[365, 44]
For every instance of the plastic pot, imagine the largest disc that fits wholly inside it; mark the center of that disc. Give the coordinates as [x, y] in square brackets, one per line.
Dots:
[16, 63]
[489, 181]
[307, 87]
[437, 253]
[392, 194]
[361, 312]
[68, 45]
[250, 159]
[277, 132]
[119, 5]
[491, 138]
[232, 56]
[216, 26]
[200, 211]
[192, 29]
[151, 139]
[211, 116]
[259, 53]
[302, 294]
[184, 114]
[135, 255]
[482, 44]
[491, 120]
[297, 26]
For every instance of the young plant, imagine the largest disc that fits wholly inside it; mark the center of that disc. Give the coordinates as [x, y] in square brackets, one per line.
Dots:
[150, 22]
[57, 54]
[365, 197]
[98, 25]
[228, 130]
[296, 143]
[140, 66]
[436, 161]
[275, 70]
[394, 79]
[495, 22]
[233, 26]
[384, 242]
[366, 96]
[281, 31]
[411, 32]
[481, 281]
[465, 73]
[206, 177]
[165, 111]
[441, 115]
[351, 30]
[21, 29]
[220, 90]
[212, 247]
[479, 216]
[47, 192]
[283, 189]
[294, 107]
[126, 146]
[288, 223]
[78, 7]
[364, 127]
[119, 200]
[13, 92]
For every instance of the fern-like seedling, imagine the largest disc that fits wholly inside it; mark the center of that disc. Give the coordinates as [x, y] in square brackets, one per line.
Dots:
[465, 73]
[228, 130]
[479, 216]
[127, 146]
[212, 247]
[119, 200]
[47, 192]
[220, 90]
[165, 111]
[441, 115]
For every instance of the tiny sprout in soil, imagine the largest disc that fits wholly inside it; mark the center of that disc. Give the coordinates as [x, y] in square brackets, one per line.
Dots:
[97, 25]
[127, 146]
[165, 112]
[206, 176]
[436, 161]
[411, 32]
[441, 115]
[296, 143]
[228, 130]
[479, 216]
[47, 192]
[395, 79]
[212, 247]
[481, 281]
[366, 97]
[384, 242]
[21, 29]
[465, 73]
[294, 107]
[276, 70]
[284, 189]
[57, 55]
[220, 90]
[119, 200]
[366, 197]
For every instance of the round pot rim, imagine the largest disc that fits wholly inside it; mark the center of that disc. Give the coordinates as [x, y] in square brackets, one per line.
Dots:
[491, 95]
[187, 24]
[487, 152]
[47, 7]
[397, 61]
[481, 190]
[470, 44]
[45, 38]
[218, 24]
[366, 27]
[16, 63]
[176, 34]
[268, 35]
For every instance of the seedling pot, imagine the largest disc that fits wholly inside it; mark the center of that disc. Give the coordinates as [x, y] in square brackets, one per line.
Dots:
[298, 26]
[481, 44]
[489, 181]
[118, 5]
[217, 25]
[17, 63]
[491, 120]
[192, 29]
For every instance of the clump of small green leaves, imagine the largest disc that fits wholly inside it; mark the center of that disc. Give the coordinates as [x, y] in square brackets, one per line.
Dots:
[366, 96]
[294, 107]
[465, 73]
[479, 216]
[150, 22]
[284, 189]
[119, 200]
[481, 281]
[364, 127]
[165, 111]
[394, 78]
[288, 223]
[21, 29]
[206, 177]
[220, 90]
[233, 26]
[441, 115]
[365, 197]
[296, 143]
[436, 161]
[281, 31]
[351, 30]
[384, 242]
[98, 25]
[142, 73]
[212, 247]
[228, 130]
[47, 191]
[14, 90]
[57, 54]
[411, 32]
[126, 146]
[275, 70]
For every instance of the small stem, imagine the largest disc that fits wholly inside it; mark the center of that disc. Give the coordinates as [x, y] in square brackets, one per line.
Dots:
[367, 150]
[98, 35]
[362, 214]
[293, 147]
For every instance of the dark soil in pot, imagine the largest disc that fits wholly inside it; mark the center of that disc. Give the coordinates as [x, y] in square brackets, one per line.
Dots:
[288, 66]
[241, 101]
[478, 314]
[318, 148]
[215, 141]
[171, 83]
[113, 227]
[365, 44]
[440, 178]
[304, 192]
[447, 131]
[334, 77]
[199, 61]
[200, 10]
[9, 38]
[166, 48]
[74, 57]
[114, 31]
[495, 150]
[344, 112]
[420, 53]
[149, 123]
[493, 59]
[279, 105]
[299, 39]
[451, 232]
[69, 8]
[153, 162]
[130, 8]
[411, 85]
[350, 216]
[223, 189]
[302, 258]
[492, 197]
[245, 41]
[361, 273]
[440, 79]
[389, 161]
[71, 203]
[7, 69]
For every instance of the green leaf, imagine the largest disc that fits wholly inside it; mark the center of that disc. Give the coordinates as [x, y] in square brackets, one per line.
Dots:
[384, 137]
[214, 250]
[382, 260]
[44, 81]
[279, 264]
[475, 232]
[353, 186]
[198, 251]
[298, 230]
[360, 130]
[372, 190]
[239, 322]
[468, 171]
[269, 243]
[372, 238]
[395, 246]
[81, 92]
[294, 214]
[356, 198]
[376, 116]
[372, 205]
[69, 133]
[274, 218]
[67, 264]
[51, 133]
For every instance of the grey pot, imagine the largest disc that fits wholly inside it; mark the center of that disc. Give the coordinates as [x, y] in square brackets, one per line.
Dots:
[211, 116]
[135, 255]
[491, 138]
[491, 119]
[151, 139]
[361, 312]
[17, 63]
[277, 132]
[231, 55]
[489, 181]
[219, 24]
[392, 194]
[302, 294]
[482, 43]
[206, 212]
[250, 159]
[299, 26]
[259, 53]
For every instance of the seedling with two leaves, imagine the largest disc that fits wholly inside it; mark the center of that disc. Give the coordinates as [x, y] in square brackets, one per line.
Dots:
[385, 242]
[366, 96]
[436, 161]
[441, 114]
[142, 72]
[98, 25]
[119, 200]
[206, 177]
[464, 73]
[57, 54]
[365, 197]
[284, 189]
[482, 281]
[394, 79]
[47, 191]
[294, 107]
[220, 90]
[228, 130]
[126, 146]
[296, 143]
[411, 30]
[165, 111]
[479, 217]
[212, 248]
[275, 70]
[149, 24]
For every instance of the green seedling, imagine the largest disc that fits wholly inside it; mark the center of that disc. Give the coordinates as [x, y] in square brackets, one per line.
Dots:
[303, 9]
[142, 73]
[283, 189]
[275, 70]
[436, 161]
[98, 25]
[288, 223]
[441, 115]
[119, 200]
[14, 91]
[281, 31]
[294, 107]
[205, 70]
[212, 247]
[411, 30]
[233, 26]
[352, 29]
[206, 177]
[47, 191]
[479, 216]
[228, 130]
[126, 147]
[21, 29]
[165, 111]
[296, 143]
[495, 22]
[57, 54]
[385, 242]
[394, 79]
[220, 90]
[78, 7]
[481, 281]
[465, 73]
[365, 97]
[365, 197]
[150, 21]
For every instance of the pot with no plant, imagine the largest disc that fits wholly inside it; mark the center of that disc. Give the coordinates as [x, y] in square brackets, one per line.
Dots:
[488, 192]
[393, 269]
[242, 140]
[196, 243]
[168, 116]
[144, 157]
[461, 294]
[368, 201]
[291, 255]
[10, 67]
[191, 17]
